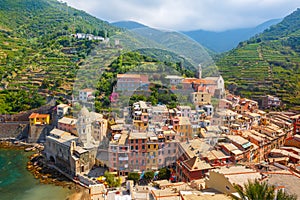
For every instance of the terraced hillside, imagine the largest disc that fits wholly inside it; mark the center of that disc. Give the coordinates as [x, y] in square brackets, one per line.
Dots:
[38, 52]
[267, 64]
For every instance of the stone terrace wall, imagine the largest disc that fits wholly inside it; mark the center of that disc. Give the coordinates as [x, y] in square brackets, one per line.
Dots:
[23, 116]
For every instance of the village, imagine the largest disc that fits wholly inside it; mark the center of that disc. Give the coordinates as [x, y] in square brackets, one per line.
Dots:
[206, 146]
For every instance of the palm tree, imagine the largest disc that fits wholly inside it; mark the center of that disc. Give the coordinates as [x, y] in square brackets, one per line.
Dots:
[283, 195]
[261, 191]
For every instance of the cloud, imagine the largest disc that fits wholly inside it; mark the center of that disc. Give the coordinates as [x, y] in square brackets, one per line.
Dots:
[189, 14]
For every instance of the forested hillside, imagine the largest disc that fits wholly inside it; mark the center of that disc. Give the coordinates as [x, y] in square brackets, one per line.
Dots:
[268, 63]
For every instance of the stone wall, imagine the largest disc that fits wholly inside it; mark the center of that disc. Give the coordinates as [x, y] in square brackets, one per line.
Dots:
[37, 134]
[15, 130]
[23, 116]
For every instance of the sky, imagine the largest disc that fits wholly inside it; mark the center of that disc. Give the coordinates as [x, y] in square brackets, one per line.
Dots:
[184, 15]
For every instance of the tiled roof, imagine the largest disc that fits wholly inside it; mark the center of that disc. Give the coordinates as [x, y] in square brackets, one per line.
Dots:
[37, 115]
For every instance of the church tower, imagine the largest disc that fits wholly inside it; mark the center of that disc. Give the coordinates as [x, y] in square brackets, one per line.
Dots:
[84, 127]
[199, 71]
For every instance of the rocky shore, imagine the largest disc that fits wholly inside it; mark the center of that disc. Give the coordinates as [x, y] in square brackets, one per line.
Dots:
[37, 165]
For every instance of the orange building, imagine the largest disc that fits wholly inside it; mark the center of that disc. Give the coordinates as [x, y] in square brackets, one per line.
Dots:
[39, 119]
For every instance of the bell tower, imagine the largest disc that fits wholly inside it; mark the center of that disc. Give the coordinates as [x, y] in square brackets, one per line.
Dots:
[199, 71]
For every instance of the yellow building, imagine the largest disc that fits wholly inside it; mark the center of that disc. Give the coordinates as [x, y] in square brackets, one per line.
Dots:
[39, 119]
[140, 115]
[152, 152]
[201, 98]
[184, 129]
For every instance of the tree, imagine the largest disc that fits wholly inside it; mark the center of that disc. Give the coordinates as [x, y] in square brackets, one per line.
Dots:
[261, 190]
[133, 176]
[149, 175]
[111, 180]
[164, 173]
[281, 195]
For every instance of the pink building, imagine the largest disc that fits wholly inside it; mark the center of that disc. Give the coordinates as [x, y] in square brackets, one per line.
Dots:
[131, 82]
[67, 124]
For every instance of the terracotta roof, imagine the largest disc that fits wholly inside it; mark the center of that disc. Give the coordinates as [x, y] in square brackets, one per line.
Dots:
[33, 115]
[142, 77]
[189, 80]
[36, 115]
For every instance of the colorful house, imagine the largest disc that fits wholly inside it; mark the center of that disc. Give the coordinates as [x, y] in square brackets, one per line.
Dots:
[39, 119]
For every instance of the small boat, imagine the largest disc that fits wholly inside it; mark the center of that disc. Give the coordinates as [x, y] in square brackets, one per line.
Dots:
[30, 149]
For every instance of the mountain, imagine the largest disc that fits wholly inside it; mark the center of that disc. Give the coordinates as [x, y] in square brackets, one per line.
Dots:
[128, 24]
[227, 40]
[268, 63]
[175, 42]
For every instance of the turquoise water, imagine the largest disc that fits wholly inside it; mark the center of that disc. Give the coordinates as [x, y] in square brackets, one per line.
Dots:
[16, 183]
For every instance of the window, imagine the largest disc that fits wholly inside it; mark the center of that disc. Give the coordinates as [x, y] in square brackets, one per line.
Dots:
[131, 141]
[154, 146]
[143, 147]
[143, 140]
[136, 141]
[136, 147]
[131, 147]
[148, 146]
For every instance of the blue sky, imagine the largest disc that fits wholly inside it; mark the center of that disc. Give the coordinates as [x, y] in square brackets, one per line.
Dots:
[216, 15]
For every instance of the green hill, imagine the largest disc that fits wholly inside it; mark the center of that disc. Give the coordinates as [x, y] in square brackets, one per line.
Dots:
[38, 53]
[169, 41]
[267, 63]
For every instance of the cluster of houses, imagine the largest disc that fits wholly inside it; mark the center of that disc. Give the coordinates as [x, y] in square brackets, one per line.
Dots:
[213, 86]
[192, 141]
[87, 36]
[195, 141]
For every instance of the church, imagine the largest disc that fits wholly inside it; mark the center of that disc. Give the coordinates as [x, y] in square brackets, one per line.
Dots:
[74, 155]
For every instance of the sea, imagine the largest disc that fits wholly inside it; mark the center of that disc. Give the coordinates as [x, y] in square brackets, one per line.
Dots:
[16, 183]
